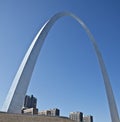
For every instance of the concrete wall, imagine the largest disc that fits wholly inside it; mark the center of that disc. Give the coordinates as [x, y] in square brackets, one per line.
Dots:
[5, 117]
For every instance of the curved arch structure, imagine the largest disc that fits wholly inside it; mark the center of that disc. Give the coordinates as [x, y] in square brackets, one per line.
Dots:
[15, 97]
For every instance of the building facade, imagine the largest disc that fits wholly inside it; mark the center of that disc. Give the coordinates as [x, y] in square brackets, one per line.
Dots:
[76, 116]
[30, 102]
[30, 111]
[55, 112]
[51, 112]
[88, 118]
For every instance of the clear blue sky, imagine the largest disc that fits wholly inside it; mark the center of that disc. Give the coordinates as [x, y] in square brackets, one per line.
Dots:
[67, 74]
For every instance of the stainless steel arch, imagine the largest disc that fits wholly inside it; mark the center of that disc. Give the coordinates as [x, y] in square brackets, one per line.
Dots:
[15, 97]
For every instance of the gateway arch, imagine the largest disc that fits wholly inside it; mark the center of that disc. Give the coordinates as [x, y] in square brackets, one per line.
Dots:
[16, 94]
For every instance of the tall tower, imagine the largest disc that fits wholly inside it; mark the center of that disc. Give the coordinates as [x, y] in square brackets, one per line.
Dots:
[15, 97]
[30, 101]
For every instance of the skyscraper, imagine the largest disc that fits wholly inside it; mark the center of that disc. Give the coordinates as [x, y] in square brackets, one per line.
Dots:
[77, 116]
[30, 101]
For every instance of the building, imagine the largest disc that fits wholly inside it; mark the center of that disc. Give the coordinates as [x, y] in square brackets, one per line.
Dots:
[76, 116]
[51, 112]
[30, 111]
[88, 118]
[45, 113]
[30, 102]
[55, 112]
[27, 101]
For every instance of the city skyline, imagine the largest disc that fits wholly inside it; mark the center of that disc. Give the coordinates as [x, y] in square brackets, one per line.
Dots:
[83, 39]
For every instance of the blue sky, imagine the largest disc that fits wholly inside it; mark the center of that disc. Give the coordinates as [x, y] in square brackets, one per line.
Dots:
[67, 74]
